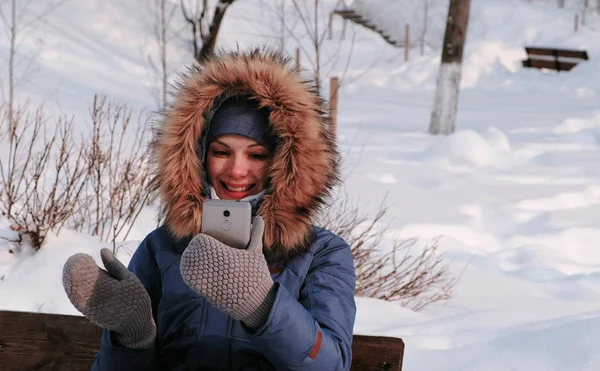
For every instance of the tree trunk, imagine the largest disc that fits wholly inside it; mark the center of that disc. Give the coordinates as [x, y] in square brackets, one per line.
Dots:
[11, 73]
[425, 21]
[164, 23]
[443, 117]
[208, 44]
[317, 43]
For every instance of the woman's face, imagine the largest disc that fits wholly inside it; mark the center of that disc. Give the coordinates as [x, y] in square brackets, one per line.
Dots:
[237, 166]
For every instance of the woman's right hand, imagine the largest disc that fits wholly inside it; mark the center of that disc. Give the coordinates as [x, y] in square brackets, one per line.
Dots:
[114, 299]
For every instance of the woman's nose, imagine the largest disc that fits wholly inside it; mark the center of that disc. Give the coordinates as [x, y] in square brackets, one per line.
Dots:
[239, 167]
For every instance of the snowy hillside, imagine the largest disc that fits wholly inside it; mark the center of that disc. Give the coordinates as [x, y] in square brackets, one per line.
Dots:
[513, 197]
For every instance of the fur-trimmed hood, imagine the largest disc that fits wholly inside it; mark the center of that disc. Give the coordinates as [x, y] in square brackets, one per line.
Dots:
[305, 161]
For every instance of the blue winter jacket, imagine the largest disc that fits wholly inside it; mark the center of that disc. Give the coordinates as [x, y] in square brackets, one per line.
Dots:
[309, 327]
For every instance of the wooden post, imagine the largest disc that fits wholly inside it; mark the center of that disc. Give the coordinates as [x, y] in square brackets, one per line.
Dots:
[298, 59]
[576, 22]
[406, 41]
[329, 25]
[333, 104]
[445, 106]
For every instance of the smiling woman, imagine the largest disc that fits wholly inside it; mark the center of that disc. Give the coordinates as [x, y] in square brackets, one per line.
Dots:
[244, 126]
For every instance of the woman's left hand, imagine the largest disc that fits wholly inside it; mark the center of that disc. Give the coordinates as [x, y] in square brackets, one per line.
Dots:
[236, 281]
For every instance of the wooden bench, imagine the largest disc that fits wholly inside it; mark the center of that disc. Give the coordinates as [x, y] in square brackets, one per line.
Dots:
[553, 59]
[50, 342]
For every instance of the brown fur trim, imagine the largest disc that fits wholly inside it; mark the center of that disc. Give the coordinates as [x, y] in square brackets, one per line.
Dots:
[305, 162]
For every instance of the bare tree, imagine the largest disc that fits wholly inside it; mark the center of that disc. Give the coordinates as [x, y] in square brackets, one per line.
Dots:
[310, 19]
[11, 68]
[204, 30]
[409, 274]
[162, 25]
[16, 25]
[280, 8]
[425, 23]
[307, 20]
[443, 117]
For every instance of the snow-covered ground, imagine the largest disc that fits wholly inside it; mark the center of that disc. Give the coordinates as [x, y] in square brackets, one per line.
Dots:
[513, 196]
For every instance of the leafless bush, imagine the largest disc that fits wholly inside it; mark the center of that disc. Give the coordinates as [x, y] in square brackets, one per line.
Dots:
[117, 157]
[413, 276]
[96, 185]
[43, 174]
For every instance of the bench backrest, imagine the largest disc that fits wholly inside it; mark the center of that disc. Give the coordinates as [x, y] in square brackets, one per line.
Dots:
[553, 59]
[560, 53]
[36, 341]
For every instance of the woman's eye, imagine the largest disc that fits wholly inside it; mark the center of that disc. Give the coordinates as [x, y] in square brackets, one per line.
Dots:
[258, 156]
[219, 153]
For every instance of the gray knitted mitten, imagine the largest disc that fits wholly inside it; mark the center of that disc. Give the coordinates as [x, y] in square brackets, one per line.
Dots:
[115, 300]
[236, 281]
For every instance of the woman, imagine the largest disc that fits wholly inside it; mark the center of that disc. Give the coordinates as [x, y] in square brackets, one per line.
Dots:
[244, 126]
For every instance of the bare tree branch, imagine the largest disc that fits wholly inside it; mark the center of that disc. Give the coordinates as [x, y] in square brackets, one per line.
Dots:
[49, 9]
[204, 33]
[11, 70]
[193, 23]
[210, 41]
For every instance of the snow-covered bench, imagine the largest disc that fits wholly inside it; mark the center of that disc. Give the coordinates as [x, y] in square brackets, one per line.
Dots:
[36, 341]
[553, 59]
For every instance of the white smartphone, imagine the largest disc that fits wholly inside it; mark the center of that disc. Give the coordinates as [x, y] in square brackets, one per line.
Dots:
[228, 221]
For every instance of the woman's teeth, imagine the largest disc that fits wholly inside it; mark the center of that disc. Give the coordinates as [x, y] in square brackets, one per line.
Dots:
[238, 189]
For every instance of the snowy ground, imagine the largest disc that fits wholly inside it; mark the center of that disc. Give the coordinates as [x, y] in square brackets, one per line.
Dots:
[513, 196]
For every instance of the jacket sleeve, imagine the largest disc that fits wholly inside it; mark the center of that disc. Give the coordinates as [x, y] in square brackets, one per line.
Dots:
[113, 356]
[314, 332]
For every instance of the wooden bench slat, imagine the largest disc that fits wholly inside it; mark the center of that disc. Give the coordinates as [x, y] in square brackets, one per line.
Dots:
[564, 53]
[549, 64]
[53, 342]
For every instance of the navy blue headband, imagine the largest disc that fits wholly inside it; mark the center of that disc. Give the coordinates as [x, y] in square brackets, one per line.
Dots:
[241, 116]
